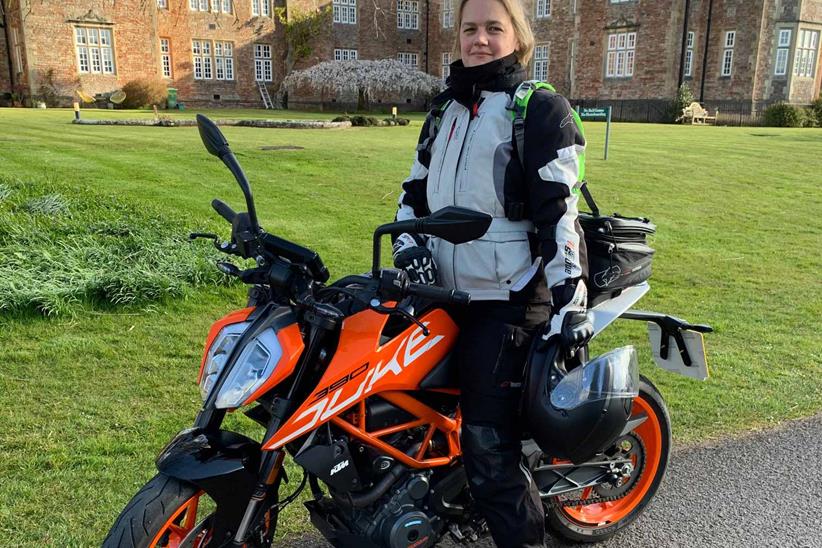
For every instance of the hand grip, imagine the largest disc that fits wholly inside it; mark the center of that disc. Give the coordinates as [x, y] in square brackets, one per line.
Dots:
[224, 210]
[440, 294]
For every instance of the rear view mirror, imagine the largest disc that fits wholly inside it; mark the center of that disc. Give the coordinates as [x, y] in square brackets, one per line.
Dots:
[456, 224]
[213, 139]
[453, 224]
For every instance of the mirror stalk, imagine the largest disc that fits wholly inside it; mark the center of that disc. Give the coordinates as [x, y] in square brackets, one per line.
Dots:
[234, 166]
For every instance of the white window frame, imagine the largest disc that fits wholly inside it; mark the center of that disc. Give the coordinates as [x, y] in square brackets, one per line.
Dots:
[342, 54]
[446, 65]
[447, 14]
[727, 67]
[541, 52]
[345, 12]
[621, 55]
[783, 49]
[214, 6]
[807, 50]
[620, 1]
[263, 70]
[212, 60]
[95, 50]
[261, 8]
[15, 45]
[689, 54]
[165, 58]
[408, 14]
[408, 58]
[543, 9]
[162, 4]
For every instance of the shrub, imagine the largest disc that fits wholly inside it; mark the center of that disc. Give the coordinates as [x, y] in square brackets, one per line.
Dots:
[144, 92]
[784, 115]
[364, 121]
[815, 112]
[684, 97]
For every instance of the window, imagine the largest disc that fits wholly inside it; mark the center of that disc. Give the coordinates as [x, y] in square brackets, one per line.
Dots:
[261, 7]
[446, 66]
[447, 14]
[728, 54]
[224, 60]
[165, 57]
[541, 62]
[345, 54]
[408, 14]
[15, 45]
[409, 59]
[95, 52]
[782, 49]
[621, 52]
[213, 61]
[345, 12]
[162, 4]
[215, 6]
[804, 61]
[620, 1]
[543, 9]
[262, 63]
[689, 55]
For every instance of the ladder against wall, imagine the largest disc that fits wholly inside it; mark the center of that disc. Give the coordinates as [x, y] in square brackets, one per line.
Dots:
[264, 95]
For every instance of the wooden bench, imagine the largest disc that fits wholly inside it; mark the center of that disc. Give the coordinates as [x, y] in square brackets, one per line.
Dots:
[695, 114]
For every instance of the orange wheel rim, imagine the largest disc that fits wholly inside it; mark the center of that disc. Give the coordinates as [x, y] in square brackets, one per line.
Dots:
[604, 513]
[179, 525]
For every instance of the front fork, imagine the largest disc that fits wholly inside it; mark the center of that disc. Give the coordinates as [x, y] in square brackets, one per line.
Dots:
[271, 463]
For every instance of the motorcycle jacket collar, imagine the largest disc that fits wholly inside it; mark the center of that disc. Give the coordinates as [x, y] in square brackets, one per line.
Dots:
[466, 83]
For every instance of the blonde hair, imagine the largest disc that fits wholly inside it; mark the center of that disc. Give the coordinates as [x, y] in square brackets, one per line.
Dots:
[522, 29]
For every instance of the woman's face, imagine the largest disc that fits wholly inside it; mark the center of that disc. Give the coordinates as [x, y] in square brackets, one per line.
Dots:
[486, 32]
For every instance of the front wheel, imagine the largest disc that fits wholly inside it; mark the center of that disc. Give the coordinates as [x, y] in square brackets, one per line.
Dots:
[171, 513]
[648, 446]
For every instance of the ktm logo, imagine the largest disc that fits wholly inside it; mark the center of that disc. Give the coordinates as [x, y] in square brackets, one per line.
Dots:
[327, 403]
[338, 467]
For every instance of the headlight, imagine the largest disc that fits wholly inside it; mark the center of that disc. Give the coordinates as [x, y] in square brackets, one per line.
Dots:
[218, 354]
[254, 365]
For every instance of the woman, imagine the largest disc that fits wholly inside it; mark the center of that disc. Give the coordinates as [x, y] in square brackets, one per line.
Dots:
[466, 157]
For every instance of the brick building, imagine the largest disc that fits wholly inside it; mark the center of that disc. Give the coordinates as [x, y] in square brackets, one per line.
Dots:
[633, 53]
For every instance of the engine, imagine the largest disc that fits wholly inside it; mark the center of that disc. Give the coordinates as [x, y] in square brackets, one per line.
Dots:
[374, 500]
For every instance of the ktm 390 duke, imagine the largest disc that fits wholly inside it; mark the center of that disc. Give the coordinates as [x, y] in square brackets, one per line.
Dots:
[353, 380]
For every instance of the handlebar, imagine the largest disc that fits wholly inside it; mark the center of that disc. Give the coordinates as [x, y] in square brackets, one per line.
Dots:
[224, 210]
[440, 294]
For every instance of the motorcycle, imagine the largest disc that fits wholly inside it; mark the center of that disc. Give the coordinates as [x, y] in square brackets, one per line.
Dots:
[353, 380]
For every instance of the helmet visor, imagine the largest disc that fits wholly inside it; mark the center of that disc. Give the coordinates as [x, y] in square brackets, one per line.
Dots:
[614, 374]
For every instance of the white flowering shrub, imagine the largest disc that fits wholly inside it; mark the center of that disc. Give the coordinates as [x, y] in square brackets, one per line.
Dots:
[363, 78]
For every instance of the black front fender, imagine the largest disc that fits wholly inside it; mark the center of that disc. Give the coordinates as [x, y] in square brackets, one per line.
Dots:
[223, 464]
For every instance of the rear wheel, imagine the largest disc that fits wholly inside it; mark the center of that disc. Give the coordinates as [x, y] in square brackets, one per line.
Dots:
[170, 513]
[648, 448]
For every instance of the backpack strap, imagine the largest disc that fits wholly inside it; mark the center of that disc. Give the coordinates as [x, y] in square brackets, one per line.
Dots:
[518, 105]
[583, 188]
[435, 114]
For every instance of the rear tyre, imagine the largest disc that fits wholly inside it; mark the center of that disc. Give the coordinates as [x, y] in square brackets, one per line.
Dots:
[599, 521]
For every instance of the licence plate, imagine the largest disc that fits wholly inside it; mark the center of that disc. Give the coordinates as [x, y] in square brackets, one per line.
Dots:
[674, 362]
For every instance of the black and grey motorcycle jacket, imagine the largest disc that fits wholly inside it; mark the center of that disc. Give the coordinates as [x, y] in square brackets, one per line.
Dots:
[471, 162]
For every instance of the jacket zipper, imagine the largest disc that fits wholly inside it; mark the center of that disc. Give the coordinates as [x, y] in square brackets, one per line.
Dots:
[445, 152]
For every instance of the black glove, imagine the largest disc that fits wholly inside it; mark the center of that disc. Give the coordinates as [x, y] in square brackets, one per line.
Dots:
[411, 255]
[569, 317]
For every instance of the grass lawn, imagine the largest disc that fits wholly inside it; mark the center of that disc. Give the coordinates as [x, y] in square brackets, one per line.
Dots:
[86, 401]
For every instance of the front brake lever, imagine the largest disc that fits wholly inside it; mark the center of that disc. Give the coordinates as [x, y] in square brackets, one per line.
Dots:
[377, 306]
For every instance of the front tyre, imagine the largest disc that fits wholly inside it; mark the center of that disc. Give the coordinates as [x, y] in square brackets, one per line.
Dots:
[163, 513]
[649, 447]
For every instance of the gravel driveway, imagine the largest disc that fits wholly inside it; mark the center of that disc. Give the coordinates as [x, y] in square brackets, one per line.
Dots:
[762, 490]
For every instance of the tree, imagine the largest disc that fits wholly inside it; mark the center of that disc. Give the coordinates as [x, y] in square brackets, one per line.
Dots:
[368, 79]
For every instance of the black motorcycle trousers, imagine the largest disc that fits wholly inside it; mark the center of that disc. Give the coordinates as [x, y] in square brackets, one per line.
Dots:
[491, 354]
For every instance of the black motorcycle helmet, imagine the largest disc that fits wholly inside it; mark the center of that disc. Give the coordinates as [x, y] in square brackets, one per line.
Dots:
[575, 415]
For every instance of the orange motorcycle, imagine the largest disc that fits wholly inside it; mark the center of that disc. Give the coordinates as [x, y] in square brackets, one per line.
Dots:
[353, 380]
